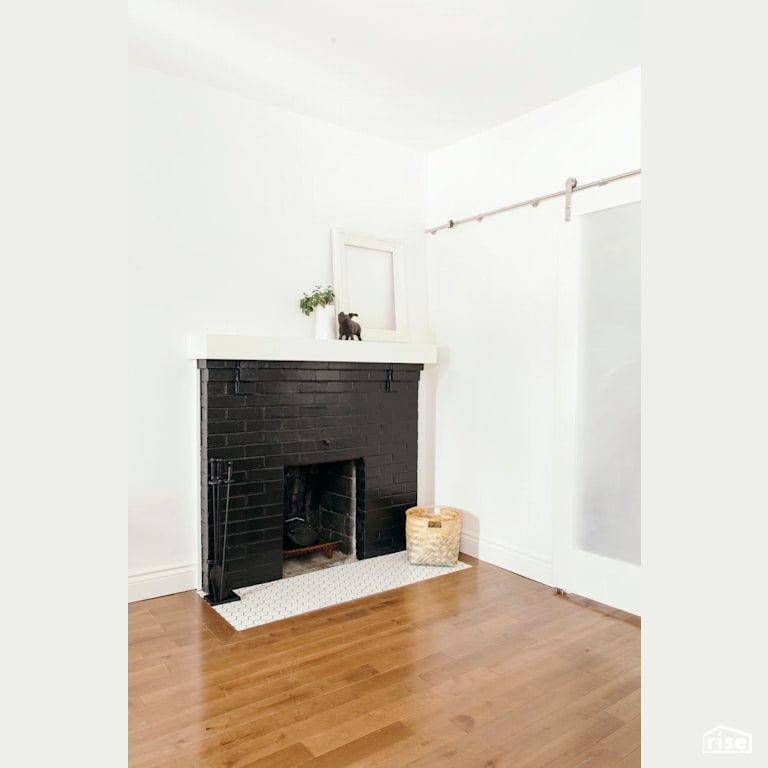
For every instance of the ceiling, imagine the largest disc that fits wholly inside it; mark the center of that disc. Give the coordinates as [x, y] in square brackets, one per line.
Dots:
[423, 73]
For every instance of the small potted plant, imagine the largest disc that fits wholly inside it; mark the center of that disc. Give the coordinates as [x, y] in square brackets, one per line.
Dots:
[321, 299]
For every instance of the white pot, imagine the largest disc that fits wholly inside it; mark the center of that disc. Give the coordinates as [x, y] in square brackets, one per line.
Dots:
[325, 322]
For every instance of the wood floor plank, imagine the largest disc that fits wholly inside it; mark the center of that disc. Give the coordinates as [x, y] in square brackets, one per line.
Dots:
[559, 750]
[628, 708]
[427, 738]
[503, 747]
[608, 694]
[289, 757]
[479, 667]
[362, 747]
[611, 749]
[632, 760]
[473, 715]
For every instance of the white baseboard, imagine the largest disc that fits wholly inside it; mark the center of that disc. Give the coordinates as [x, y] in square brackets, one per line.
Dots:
[157, 582]
[168, 580]
[508, 558]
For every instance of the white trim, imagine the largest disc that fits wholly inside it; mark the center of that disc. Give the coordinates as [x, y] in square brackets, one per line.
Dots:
[195, 460]
[158, 582]
[508, 558]
[222, 347]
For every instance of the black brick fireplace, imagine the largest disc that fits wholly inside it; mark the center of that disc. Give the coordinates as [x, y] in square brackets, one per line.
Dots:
[278, 421]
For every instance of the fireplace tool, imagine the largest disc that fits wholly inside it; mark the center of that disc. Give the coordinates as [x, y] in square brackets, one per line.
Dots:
[220, 591]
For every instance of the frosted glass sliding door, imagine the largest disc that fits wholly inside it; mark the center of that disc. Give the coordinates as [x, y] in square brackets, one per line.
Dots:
[597, 516]
[608, 414]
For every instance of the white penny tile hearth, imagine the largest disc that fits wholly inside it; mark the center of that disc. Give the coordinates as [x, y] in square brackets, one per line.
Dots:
[283, 598]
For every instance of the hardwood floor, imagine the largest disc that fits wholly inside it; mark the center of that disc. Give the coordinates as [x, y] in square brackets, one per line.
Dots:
[477, 668]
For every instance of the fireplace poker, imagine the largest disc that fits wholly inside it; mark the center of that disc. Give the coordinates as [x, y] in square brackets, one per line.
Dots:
[212, 498]
[228, 482]
[215, 481]
[218, 511]
[214, 510]
[212, 486]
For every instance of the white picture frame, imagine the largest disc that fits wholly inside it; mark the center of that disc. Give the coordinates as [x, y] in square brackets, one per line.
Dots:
[369, 279]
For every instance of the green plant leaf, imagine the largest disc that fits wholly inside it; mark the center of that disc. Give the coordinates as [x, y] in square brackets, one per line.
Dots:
[320, 297]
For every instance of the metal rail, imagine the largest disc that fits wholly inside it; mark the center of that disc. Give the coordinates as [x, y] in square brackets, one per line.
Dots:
[571, 186]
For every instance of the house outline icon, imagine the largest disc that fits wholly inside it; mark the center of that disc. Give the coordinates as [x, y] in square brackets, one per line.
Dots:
[725, 740]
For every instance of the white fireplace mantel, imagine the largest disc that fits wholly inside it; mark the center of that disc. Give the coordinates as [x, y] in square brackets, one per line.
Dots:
[225, 347]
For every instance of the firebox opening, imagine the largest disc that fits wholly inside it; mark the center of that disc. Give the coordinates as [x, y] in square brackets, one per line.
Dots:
[320, 507]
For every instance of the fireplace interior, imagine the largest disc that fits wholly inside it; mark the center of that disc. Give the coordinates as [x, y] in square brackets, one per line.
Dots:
[321, 498]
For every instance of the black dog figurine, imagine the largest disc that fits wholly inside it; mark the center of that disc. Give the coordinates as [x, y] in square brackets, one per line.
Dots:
[348, 328]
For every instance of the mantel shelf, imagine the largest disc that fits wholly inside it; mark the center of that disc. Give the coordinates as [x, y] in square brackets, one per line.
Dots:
[225, 347]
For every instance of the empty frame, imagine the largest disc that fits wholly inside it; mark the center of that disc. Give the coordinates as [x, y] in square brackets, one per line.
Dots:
[369, 279]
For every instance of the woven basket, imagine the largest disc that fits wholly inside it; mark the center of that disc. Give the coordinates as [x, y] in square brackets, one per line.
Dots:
[432, 535]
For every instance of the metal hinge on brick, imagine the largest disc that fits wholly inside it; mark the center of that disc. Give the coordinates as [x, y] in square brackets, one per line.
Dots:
[390, 378]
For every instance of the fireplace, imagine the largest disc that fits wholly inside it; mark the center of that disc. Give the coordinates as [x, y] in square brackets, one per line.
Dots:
[331, 443]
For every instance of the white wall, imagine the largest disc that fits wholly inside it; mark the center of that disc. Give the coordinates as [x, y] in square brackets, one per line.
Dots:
[233, 204]
[493, 291]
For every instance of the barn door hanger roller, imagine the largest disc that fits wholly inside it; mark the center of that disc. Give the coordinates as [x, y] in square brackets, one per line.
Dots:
[570, 185]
